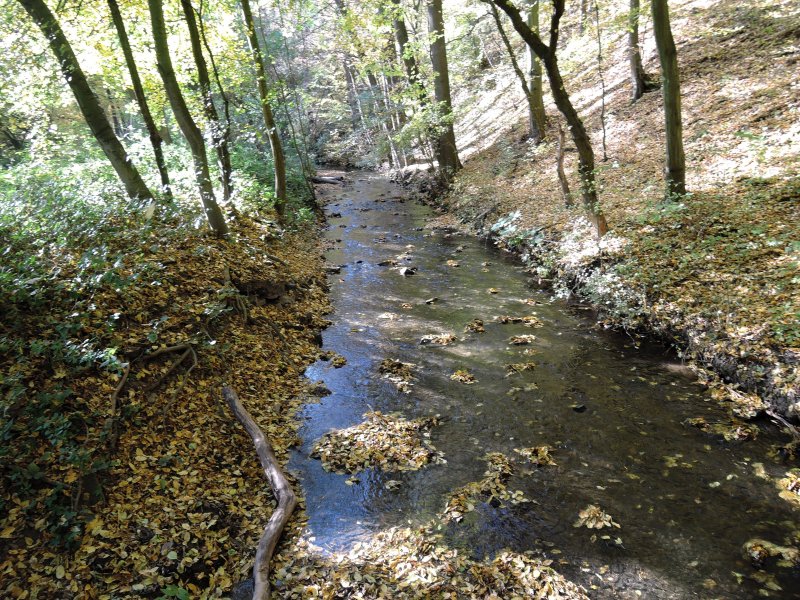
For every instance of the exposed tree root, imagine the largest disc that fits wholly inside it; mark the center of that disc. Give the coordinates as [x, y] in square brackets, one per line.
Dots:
[280, 487]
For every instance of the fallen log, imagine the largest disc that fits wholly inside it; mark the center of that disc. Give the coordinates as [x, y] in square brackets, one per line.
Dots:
[285, 496]
[330, 180]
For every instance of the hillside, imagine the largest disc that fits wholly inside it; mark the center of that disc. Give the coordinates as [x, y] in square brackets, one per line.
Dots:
[717, 273]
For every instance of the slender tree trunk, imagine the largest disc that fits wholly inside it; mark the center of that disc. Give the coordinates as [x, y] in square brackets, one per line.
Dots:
[562, 176]
[447, 153]
[269, 122]
[112, 109]
[675, 171]
[547, 53]
[185, 121]
[225, 128]
[602, 77]
[537, 119]
[639, 82]
[217, 130]
[584, 13]
[536, 132]
[87, 100]
[141, 99]
[403, 48]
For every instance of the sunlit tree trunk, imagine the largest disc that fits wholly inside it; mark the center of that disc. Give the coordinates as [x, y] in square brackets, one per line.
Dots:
[188, 127]
[269, 122]
[141, 99]
[639, 79]
[535, 108]
[203, 78]
[547, 53]
[537, 119]
[447, 153]
[675, 171]
[87, 100]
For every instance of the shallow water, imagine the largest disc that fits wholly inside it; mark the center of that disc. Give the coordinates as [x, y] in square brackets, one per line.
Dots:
[614, 414]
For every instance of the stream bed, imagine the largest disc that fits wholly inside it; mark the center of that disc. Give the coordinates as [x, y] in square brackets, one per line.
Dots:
[615, 415]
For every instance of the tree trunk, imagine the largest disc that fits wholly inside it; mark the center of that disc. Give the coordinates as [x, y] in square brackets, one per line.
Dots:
[187, 125]
[638, 76]
[403, 48]
[141, 99]
[562, 176]
[269, 122]
[537, 119]
[536, 130]
[88, 102]
[203, 78]
[447, 154]
[675, 171]
[579, 135]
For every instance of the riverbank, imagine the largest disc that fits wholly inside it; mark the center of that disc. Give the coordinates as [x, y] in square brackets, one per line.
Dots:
[125, 473]
[716, 274]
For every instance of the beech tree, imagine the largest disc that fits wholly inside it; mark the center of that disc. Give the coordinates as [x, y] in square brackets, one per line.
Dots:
[266, 110]
[533, 94]
[218, 137]
[640, 80]
[446, 152]
[88, 102]
[675, 171]
[141, 98]
[188, 127]
[547, 54]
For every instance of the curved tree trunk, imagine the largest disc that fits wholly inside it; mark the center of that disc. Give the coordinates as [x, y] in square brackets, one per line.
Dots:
[447, 154]
[141, 99]
[87, 100]
[675, 172]
[547, 53]
[217, 129]
[187, 125]
[269, 122]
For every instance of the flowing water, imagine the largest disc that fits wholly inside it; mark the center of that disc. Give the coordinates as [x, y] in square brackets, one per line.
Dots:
[615, 416]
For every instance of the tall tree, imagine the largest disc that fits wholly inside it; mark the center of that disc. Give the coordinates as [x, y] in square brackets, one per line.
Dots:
[447, 154]
[218, 130]
[547, 54]
[269, 122]
[88, 101]
[675, 171]
[640, 81]
[537, 119]
[535, 107]
[185, 121]
[141, 98]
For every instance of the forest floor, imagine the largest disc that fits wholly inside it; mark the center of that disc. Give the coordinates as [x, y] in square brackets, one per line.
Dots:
[717, 273]
[135, 480]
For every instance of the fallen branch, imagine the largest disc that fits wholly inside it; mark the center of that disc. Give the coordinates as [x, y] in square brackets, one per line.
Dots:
[280, 488]
[789, 427]
[330, 180]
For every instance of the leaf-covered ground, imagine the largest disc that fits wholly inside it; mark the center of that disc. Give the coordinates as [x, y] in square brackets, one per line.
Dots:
[719, 272]
[148, 486]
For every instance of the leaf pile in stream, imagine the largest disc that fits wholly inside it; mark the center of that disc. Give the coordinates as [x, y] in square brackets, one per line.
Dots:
[174, 494]
[398, 372]
[388, 442]
[491, 489]
[414, 563]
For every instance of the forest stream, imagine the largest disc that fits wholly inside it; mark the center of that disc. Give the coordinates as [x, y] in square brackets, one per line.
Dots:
[621, 420]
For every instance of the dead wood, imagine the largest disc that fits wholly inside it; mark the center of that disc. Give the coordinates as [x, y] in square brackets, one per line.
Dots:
[280, 488]
[330, 180]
